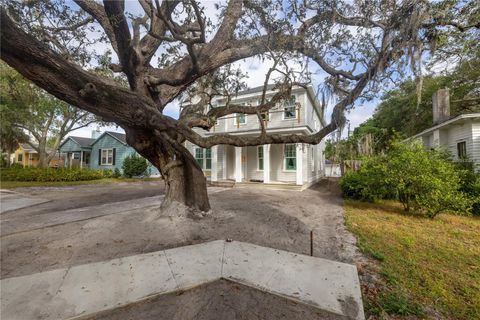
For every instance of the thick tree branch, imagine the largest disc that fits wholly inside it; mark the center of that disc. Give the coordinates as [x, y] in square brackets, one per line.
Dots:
[70, 83]
[98, 13]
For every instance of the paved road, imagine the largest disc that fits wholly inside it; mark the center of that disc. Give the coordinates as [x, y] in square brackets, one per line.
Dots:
[64, 198]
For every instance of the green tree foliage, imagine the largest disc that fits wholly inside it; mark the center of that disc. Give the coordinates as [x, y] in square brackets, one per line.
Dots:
[423, 181]
[399, 115]
[134, 165]
[27, 109]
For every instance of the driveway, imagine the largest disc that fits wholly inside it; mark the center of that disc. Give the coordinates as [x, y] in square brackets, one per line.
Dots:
[85, 224]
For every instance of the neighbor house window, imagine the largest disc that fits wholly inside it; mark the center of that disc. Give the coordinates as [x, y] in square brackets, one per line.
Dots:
[289, 108]
[260, 157]
[240, 118]
[20, 157]
[106, 157]
[290, 155]
[204, 158]
[462, 150]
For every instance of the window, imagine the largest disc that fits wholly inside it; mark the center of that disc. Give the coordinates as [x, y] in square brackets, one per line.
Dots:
[462, 150]
[106, 157]
[204, 158]
[20, 157]
[289, 108]
[260, 157]
[240, 118]
[290, 155]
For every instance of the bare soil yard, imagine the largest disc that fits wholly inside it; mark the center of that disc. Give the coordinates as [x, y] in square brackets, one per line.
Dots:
[85, 224]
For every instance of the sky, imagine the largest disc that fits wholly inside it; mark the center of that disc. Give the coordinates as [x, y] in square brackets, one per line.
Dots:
[255, 70]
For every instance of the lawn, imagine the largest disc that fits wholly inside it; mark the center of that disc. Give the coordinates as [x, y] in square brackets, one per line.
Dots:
[19, 184]
[424, 264]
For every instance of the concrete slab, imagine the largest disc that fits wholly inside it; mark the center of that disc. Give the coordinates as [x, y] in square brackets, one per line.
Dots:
[329, 285]
[194, 265]
[30, 297]
[88, 289]
[99, 286]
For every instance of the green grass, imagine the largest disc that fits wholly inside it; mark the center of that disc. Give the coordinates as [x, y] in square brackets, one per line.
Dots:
[423, 262]
[22, 184]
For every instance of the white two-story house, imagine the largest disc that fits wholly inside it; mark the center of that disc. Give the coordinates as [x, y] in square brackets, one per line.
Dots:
[298, 164]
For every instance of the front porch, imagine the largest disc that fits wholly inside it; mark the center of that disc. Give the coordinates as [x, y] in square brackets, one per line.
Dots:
[77, 159]
[263, 165]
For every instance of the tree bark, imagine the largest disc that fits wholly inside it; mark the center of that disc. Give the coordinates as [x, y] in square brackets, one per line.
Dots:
[42, 159]
[185, 182]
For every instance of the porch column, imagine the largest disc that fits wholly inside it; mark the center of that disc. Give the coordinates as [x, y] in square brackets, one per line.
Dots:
[266, 163]
[224, 160]
[299, 155]
[81, 159]
[214, 170]
[238, 164]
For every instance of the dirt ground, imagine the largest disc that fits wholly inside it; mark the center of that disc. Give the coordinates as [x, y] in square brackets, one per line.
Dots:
[277, 219]
[216, 301]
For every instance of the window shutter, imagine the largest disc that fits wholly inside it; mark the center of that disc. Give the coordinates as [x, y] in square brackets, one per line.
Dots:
[113, 157]
[99, 156]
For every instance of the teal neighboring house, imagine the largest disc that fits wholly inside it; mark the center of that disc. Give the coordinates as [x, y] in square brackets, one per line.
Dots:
[78, 151]
[107, 151]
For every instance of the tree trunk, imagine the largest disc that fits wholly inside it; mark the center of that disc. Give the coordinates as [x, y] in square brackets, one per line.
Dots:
[185, 182]
[43, 159]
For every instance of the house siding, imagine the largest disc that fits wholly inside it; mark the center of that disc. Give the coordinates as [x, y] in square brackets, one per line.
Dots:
[459, 133]
[448, 136]
[121, 152]
[108, 142]
[306, 120]
[69, 146]
[475, 154]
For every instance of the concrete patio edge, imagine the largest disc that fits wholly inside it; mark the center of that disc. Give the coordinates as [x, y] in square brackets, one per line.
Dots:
[87, 289]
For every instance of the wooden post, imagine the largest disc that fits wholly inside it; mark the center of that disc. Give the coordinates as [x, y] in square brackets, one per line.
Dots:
[311, 243]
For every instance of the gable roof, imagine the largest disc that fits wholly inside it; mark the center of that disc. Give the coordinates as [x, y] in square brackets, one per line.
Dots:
[26, 147]
[81, 141]
[447, 122]
[121, 137]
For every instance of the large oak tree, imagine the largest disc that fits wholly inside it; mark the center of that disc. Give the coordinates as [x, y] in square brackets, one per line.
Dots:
[352, 45]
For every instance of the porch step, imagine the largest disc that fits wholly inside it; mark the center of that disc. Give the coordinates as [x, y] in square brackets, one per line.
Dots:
[272, 186]
[222, 183]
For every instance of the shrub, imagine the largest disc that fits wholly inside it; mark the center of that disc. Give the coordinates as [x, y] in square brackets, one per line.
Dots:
[117, 173]
[49, 174]
[368, 183]
[425, 181]
[470, 183]
[3, 160]
[134, 165]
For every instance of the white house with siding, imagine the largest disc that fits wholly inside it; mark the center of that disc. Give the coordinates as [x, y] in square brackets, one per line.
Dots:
[459, 135]
[297, 164]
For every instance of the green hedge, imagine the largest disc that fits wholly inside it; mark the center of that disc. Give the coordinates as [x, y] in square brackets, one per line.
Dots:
[425, 181]
[50, 174]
